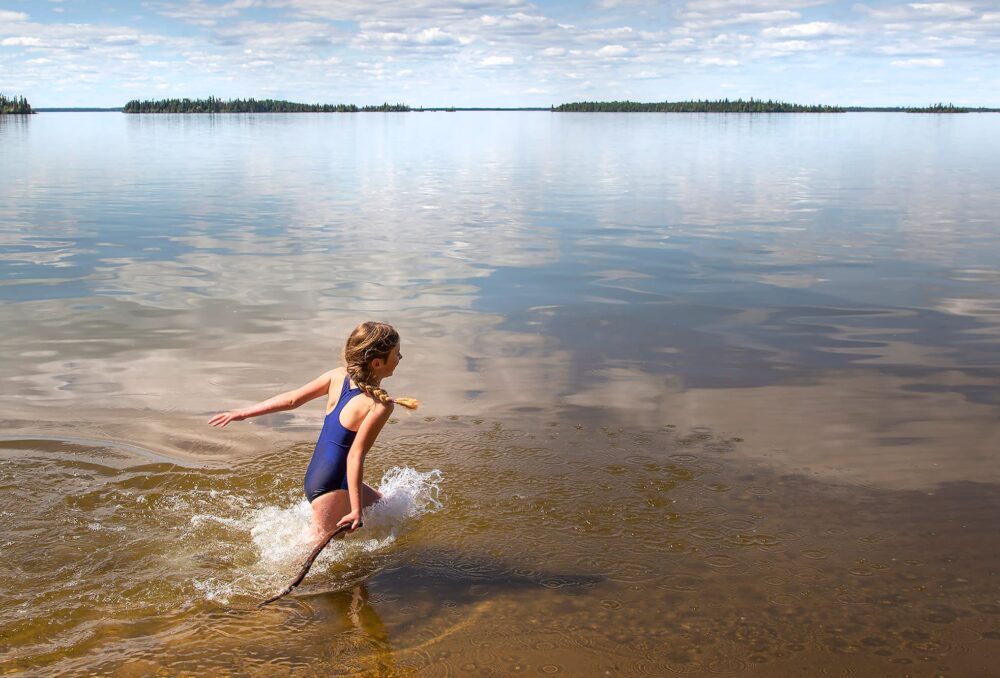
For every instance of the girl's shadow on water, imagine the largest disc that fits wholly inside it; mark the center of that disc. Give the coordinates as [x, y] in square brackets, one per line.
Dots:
[444, 576]
[448, 591]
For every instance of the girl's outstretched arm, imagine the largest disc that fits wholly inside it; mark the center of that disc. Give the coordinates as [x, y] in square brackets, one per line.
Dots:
[279, 403]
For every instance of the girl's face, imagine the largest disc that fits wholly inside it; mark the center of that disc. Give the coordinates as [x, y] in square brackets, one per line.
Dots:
[385, 368]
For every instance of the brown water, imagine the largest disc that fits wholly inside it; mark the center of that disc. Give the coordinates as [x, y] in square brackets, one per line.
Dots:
[684, 412]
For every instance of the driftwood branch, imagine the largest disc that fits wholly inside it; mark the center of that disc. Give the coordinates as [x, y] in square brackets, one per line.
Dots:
[305, 566]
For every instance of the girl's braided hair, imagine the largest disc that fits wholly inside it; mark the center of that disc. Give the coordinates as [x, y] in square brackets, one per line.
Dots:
[368, 341]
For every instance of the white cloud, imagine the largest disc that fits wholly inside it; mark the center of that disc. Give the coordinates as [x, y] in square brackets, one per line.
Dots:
[711, 61]
[908, 63]
[918, 11]
[697, 22]
[121, 39]
[497, 61]
[332, 61]
[723, 39]
[523, 18]
[435, 36]
[517, 22]
[7, 16]
[323, 50]
[279, 38]
[198, 12]
[765, 17]
[936, 42]
[787, 46]
[21, 41]
[411, 11]
[941, 9]
[611, 4]
[612, 51]
[606, 34]
[740, 5]
[807, 30]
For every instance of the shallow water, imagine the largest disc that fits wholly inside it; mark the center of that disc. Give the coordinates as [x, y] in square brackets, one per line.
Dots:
[703, 394]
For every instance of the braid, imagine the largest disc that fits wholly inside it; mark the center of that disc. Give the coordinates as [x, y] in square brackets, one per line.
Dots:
[360, 376]
[368, 341]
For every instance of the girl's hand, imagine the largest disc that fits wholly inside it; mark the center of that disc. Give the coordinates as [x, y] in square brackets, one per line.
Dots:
[224, 418]
[353, 518]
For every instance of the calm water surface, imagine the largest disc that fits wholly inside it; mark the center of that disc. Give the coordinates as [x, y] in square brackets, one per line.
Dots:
[703, 393]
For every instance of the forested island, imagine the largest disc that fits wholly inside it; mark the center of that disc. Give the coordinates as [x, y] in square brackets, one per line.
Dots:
[933, 108]
[749, 106]
[15, 106]
[214, 105]
[706, 106]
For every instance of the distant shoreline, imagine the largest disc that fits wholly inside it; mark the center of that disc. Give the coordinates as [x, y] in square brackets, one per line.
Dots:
[583, 107]
[84, 109]
[213, 105]
[455, 109]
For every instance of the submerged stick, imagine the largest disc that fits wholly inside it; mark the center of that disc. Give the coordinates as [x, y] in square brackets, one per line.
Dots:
[305, 566]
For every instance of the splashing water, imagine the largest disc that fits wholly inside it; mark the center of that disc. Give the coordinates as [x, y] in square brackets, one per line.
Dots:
[282, 536]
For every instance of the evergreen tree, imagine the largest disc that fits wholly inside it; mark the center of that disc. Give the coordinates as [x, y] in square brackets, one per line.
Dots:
[696, 106]
[14, 106]
[215, 105]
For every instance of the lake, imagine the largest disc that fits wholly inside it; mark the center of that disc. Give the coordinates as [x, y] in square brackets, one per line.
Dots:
[702, 393]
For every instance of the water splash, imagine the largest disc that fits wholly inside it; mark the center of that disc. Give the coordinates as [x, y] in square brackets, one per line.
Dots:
[282, 535]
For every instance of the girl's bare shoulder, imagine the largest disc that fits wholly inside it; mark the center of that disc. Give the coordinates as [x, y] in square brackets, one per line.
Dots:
[334, 374]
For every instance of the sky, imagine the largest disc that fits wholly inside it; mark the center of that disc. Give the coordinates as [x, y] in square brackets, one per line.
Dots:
[504, 53]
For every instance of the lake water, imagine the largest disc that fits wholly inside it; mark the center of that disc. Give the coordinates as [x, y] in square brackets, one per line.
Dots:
[702, 393]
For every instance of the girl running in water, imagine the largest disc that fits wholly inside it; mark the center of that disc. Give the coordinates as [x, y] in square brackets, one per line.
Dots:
[357, 408]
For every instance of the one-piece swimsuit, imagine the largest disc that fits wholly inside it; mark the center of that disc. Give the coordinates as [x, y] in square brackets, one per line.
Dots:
[328, 468]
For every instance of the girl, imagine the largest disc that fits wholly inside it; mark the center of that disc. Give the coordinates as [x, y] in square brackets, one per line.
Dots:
[356, 410]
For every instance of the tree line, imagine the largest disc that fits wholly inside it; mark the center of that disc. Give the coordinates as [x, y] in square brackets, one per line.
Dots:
[933, 108]
[697, 106]
[14, 105]
[751, 106]
[215, 105]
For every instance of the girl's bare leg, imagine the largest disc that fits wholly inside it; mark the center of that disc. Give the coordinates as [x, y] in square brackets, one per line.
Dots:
[332, 506]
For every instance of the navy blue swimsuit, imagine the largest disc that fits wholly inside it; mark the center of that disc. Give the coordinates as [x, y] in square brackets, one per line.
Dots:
[328, 469]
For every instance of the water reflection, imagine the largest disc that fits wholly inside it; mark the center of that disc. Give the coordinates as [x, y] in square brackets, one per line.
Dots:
[359, 618]
[699, 270]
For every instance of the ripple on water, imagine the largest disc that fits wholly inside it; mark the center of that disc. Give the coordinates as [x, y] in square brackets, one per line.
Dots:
[179, 537]
[684, 458]
[583, 574]
[634, 573]
[687, 583]
[727, 665]
[706, 533]
[739, 524]
[721, 560]
[816, 554]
